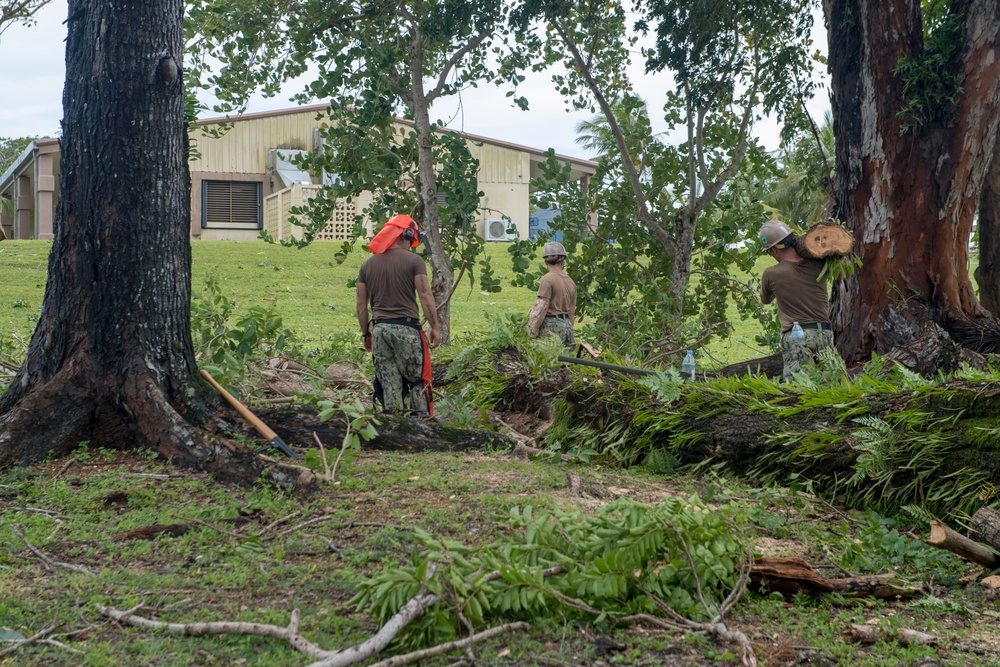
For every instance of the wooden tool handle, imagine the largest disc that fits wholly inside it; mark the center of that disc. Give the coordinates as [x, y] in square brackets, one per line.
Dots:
[261, 427]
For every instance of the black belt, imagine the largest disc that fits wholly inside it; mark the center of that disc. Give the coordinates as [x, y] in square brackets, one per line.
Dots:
[817, 325]
[561, 317]
[406, 321]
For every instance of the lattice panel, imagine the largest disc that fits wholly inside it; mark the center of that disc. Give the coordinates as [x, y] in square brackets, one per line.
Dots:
[342, 222]
[278, 207]
[340, 227]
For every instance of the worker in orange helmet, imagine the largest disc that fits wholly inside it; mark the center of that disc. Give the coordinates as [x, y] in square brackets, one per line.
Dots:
[390, 282]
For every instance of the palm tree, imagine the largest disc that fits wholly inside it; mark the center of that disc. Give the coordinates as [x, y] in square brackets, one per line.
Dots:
[633, 117]
[804, 194]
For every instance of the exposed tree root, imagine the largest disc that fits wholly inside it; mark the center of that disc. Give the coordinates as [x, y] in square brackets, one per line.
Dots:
[53, 418]
[49, 420]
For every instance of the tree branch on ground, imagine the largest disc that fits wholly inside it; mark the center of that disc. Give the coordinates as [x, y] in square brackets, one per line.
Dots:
[48, 562]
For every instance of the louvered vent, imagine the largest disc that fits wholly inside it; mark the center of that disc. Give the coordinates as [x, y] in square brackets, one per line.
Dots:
[231, 204]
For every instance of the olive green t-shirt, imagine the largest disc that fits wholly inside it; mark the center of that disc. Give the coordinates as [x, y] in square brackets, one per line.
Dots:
[560, 290]
[388, 277]
[800, 297]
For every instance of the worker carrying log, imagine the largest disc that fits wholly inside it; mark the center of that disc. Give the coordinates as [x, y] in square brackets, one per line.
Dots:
[554, 310]
[801, 292]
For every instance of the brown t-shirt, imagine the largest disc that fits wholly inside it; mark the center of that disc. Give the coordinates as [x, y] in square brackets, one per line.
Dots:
[800, 297]
[560, 290]
[388, 277]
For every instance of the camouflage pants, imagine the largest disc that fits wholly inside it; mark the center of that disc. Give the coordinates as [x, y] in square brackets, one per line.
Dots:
[560, 327]
[398, 353]
[796, 354]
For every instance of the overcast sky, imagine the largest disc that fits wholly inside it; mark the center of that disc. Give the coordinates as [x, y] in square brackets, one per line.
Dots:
[34, 66]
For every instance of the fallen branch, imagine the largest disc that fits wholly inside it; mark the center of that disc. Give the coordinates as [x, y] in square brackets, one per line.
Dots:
[65, 467]
[149, 532]
[48, 561]
[793, 575]
[37, 638]
[720, 631]
[945, 538]
[288, 634]
[412, 610]
[448, 647]
[36, 510]
[276, 522]
[716, 627]
[869, 634]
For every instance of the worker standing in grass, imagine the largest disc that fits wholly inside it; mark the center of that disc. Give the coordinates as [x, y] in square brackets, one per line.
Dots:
[555, 308]
[803, 305]
[390, 281]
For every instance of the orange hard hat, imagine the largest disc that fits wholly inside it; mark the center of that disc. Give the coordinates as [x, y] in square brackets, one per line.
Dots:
[396, 226]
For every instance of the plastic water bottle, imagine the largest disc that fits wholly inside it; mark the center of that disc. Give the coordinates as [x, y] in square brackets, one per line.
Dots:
[687, 366]
[797, 332]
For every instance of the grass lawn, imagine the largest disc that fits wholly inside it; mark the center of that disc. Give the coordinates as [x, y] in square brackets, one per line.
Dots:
[309, 290]
[306, 287]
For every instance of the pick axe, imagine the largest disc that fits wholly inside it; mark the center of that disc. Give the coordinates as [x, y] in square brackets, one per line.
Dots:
[274, 440]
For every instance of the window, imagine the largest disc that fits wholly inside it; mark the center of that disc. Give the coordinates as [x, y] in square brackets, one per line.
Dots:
[231, 204]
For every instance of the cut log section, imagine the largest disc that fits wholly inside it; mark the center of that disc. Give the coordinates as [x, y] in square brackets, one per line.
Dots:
[945, 538]
[825, 239]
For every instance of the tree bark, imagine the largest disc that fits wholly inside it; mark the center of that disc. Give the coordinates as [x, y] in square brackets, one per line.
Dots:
[909, 197]
[988, 271]
[111, 360]
[985, 527]
[442, 274]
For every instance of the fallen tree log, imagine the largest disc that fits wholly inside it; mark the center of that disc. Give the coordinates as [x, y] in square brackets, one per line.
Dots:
[395, 433]
[794, 575]
[767, 432]
[870, 634]
[945, 538]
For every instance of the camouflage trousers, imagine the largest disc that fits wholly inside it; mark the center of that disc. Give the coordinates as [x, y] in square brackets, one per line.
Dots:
[560, 327]
[398, 353]
[797, 354]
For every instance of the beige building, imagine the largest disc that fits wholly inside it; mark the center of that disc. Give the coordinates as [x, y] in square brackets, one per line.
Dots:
[244, 180]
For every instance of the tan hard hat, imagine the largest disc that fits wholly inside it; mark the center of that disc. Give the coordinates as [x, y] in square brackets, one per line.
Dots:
[773, 232]
[554, 249]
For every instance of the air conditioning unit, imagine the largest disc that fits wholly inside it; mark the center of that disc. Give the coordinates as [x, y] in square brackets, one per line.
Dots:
[495, 229]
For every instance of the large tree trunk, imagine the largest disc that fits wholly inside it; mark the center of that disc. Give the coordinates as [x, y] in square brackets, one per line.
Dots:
[111, 360]
[909, 197]
[988, 271]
